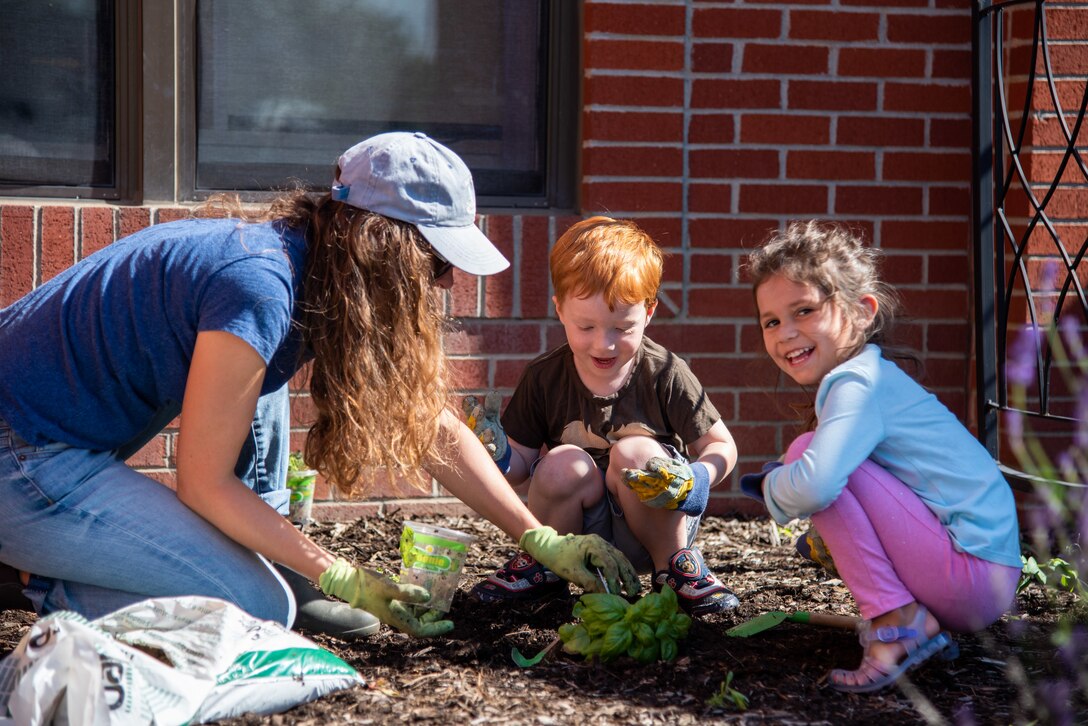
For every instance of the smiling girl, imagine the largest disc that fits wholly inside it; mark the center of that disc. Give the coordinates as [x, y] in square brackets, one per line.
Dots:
[920, 521]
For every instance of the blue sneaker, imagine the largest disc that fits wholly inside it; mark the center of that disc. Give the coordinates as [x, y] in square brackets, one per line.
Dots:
[697, 589]
[522, 579]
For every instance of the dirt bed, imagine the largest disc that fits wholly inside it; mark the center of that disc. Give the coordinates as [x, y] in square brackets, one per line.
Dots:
[469, 676]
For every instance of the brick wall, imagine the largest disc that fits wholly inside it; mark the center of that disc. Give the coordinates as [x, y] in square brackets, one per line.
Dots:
[710, 123]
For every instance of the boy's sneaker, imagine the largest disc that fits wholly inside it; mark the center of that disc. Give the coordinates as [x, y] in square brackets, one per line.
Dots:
[521, 579]
[812, 547]
[697, 589]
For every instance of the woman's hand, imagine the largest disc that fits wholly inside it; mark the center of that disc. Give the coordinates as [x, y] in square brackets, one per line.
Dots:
[382, 598]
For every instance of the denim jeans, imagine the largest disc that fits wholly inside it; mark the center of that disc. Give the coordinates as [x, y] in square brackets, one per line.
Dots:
[98, 535]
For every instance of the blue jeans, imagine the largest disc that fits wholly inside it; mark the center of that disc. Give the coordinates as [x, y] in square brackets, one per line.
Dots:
[98, 535]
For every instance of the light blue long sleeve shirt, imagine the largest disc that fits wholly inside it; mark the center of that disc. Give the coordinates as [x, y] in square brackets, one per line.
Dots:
[868, 408]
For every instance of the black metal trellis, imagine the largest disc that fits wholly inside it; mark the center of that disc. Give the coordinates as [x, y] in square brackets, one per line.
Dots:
[1026, 263]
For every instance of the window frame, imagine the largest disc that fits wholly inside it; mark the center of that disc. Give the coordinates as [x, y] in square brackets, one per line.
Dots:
[126, 118]
[562, 96]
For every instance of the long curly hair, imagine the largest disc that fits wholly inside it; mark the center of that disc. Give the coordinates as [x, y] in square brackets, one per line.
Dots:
[374, 320]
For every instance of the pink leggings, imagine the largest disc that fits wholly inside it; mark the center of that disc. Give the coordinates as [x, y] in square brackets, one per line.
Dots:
[890, 550]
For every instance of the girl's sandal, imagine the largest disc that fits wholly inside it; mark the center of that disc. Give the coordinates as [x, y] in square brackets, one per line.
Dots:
[874, 675]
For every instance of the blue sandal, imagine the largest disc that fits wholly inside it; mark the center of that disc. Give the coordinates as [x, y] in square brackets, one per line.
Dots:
[874, 675]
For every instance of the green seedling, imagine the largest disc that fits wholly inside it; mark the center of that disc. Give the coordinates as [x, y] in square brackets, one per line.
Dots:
[647, 630]
[727, 696]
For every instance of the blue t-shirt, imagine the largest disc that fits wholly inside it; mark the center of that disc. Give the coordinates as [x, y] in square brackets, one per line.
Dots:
[91, 357]
[868, 408]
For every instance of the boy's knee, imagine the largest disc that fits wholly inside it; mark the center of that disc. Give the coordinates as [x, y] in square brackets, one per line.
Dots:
[632, 452]
[563, 470]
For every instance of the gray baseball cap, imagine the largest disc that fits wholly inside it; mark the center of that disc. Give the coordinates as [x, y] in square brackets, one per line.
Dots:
[413, 178]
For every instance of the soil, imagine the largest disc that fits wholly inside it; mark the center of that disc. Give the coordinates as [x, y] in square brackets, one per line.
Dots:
[469, 676]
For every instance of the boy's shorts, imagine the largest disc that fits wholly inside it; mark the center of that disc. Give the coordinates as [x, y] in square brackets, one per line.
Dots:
[606, 519]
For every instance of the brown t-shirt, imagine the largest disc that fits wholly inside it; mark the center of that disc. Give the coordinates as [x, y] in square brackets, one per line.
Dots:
[662, 398]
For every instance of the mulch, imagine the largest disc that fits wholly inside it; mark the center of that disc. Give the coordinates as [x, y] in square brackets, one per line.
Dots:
[1001, 676]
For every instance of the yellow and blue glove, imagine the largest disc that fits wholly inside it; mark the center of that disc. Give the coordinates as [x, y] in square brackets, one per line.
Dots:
[382, 598]
[671, 484]
[484, 422]
[572, 555]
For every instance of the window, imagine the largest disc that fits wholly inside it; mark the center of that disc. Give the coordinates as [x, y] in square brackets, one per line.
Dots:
[267, 92]
[58, 96]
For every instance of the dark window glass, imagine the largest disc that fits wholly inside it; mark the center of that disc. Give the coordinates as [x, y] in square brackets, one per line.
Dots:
[283, 87]
[57, 70]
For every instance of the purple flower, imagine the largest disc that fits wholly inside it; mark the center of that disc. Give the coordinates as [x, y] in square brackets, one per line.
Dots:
[1020, 368]
[1071, 335]
[1015, 422]
[1080, 437]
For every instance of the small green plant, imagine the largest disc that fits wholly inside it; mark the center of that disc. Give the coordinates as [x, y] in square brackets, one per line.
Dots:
[295, 462]
[610, 627]
[727, 696]
[1054, 573]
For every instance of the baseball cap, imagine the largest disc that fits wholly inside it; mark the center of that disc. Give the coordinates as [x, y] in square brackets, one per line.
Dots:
[413, 178]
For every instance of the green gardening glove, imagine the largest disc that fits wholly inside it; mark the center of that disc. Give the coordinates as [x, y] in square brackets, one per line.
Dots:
[572, 555]
[382, 598]
[484, 422]
[671, 484]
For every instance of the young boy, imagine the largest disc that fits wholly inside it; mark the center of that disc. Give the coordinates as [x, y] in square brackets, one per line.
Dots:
[603, 425]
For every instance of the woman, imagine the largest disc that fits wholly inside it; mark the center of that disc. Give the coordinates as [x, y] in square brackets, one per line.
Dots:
[209, 319]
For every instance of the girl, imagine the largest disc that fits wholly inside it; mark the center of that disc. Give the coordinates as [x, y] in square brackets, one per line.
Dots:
[209, 319]
[921, 524]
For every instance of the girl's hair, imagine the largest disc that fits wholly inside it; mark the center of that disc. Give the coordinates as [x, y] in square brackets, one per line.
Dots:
[374, 321]
[829, 257]
[612, 257]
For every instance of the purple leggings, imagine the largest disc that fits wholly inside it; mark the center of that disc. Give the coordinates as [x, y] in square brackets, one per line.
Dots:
[890, 550]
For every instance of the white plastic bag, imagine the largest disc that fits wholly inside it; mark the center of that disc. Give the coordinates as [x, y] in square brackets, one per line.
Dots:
[167, 661]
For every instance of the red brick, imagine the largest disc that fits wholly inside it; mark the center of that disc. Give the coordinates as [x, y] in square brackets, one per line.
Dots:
[830, 165]
[733, 372]
[484, 337]
[711, 268]
[878, 200]
[16, 252]
[690, 338]
[710, 198]
[58, 235]
[712, 57]
[1068, 203]
[633, 126]
[931, 303]
[891, 3]
[1069, 59]
[927, 97]
[464, 296]
[930, 29]
[903, 269]
[533, 258]
[469, 373]
[1049, 133]
[667, 230]
[769, 405]
[734, 163]
[641, 55]
[508, 372]
[836, 26]
[779, 129]
[740, 93]
[883, 62]
[499, 288]
[883, 131]
[1042, 168]
[955, 133]
[720, 302]
[171, 214]
[646, 19]
[711, 128]
[96, 226]
[951, 64]
[950, 201]
[1067, 23]
[797, 199]
[782, 58]
[152, 454]
[639, 161]
[132, 219]
[626, 90]
[736, 23]
[751, 438]
[948, 269]
[924, 235]
[729, 233]
[303, 412]
[626, 197]
[937, 166]
[832, 95]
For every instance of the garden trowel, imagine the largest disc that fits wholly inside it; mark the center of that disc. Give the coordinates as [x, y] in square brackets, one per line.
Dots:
[767, 621]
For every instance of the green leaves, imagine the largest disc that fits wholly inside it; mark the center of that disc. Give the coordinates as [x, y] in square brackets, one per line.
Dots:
[610, 627]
